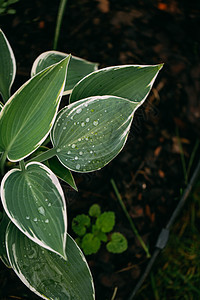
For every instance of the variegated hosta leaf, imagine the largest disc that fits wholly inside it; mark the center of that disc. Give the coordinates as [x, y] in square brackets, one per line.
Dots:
[27, 118]
[61, 172]
[34, 201]
[47, 274]
[3, 254]
[132, 82]
[7, 67]
[91, 132]
[78, 67]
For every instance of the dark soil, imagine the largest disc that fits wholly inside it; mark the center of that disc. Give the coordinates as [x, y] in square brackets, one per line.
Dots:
[148, 172]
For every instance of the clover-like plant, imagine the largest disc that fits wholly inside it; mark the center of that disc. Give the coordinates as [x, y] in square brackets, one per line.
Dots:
[41, 144]
[92, 229]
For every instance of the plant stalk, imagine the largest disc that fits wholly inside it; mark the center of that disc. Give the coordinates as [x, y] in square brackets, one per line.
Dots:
[129, 219]
[60, 15]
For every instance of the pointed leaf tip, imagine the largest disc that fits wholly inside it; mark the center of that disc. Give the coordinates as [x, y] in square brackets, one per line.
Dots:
[7, 67]
[28, 116]
[34, 201]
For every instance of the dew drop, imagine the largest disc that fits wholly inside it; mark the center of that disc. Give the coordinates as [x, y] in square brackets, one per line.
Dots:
[87, 120]
[27, 217]
[91, 151]
[105, 110]
[35, 219]
[79, 139]
[76, 157]
[95, 123]
[78, 166]
[58, 150]
[72, 117]
[64, 128]
[79, 110]
[73, 145]
[81, 152]
[69, 152]
[41, 210]
[46, 221]
[49, 204]
[82, 124]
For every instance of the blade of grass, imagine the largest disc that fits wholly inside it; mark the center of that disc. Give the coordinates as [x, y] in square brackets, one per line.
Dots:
[132, 225]
[192, 157]
[60, 15]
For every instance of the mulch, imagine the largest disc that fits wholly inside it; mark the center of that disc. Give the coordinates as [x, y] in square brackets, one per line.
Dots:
[148, 172]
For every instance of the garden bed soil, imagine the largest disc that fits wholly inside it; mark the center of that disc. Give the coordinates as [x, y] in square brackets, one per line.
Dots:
[149, 171]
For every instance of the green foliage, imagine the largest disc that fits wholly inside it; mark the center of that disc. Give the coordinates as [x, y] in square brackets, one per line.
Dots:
[80, 224]
[40, 144]
[117, 244]
[177, 271]
[90, 243]
[6, 7]
[106, 221]
[95, 210]
[96, 231]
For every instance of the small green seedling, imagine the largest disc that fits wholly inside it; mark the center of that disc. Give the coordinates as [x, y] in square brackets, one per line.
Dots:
[94, 228]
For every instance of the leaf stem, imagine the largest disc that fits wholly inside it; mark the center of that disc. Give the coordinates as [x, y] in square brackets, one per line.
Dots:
[22, 165]
[129, 218]
[43, 156]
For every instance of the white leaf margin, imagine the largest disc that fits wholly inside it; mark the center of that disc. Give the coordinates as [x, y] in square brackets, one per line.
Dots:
[59, 97]
[56, 182]
[12, 58]
[46, 53]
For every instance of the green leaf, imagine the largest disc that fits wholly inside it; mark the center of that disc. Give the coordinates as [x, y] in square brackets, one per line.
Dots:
[78, 67]
[98, 233]
[80, 224]
[28, 116]
[7, 67]
[106, 221]
[88, 134]
[132, 82]
[34, 201]
[118, 243]
[3, 254]
[90, 244]
[61, 172]
[47, 274]
[95, 210]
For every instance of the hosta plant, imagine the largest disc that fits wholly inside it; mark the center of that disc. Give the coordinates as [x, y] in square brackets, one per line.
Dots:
[41, 144]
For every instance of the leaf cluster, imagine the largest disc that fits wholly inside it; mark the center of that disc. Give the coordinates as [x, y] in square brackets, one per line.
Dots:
[95, 228]
[40, 144]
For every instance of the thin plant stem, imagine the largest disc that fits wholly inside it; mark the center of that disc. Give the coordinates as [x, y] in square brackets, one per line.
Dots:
[129, 219]
[192, 157]
[43, 156]
[22, 165]
[60, 15]
[114, 293]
